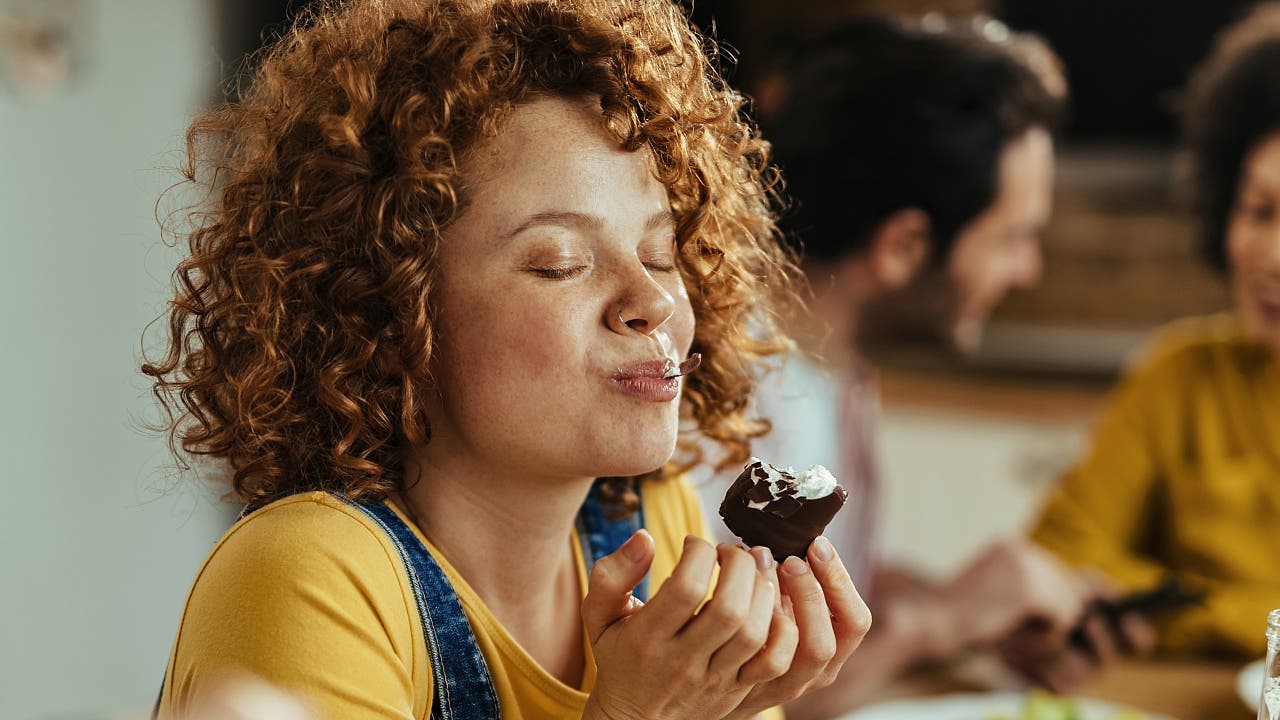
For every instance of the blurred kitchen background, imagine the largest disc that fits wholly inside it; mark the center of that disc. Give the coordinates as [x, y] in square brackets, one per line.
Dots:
[102, 535]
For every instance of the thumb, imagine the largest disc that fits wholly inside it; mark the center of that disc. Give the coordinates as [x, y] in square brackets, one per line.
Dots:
[613, 578]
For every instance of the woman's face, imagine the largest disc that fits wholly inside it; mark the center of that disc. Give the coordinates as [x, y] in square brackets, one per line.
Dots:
[558, 304]
[1253, 242]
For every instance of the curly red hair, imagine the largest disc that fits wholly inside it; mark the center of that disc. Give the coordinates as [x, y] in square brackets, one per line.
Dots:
[300, 331]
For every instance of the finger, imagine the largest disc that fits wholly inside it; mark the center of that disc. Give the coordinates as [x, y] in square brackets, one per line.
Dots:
[1100, 639]
[1066, 672]
[774, 659]
[727, 611]
[765, 561]
[1060, 596]
[680, 596]
[1058, 668]
[1137, 635]
[1059, 609]
[754, 633]
[850, 617]
[613, 577]
[817, 644]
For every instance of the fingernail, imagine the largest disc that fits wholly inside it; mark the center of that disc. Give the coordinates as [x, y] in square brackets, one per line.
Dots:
[822, 549]
[794, 566]
[764, 558]
[634, 549]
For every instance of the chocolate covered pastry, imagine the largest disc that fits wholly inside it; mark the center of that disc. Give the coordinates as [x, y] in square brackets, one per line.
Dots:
[781, 509]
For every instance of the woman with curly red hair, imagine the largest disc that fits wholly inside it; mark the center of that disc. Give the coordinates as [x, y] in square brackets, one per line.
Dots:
[457, 255]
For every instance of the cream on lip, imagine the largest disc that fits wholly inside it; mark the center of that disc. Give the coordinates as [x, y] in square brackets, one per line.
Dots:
[666, 369]
[644, 369]
[655, 380]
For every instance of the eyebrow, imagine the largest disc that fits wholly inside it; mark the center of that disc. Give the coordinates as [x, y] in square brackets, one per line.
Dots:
[584, 221]
[1255, 182]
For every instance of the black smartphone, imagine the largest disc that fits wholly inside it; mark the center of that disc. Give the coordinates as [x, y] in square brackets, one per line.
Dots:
[1169, 595]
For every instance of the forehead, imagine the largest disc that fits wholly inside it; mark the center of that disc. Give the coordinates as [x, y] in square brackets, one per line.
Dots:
[1025, 175]
[557, 152]
[1262, 166]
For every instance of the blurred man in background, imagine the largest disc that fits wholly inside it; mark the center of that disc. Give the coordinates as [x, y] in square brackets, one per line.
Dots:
[919, 158]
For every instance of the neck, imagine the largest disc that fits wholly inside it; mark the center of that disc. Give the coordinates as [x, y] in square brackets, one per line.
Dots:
[836, 295]
[510, 538]
[505, 535]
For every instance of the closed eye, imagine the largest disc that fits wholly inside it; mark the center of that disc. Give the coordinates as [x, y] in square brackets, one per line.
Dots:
[559, 273]
[663, 267]
[1259, 212]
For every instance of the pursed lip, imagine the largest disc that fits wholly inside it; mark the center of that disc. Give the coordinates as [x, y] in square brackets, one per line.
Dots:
[644, 380]
[1268, 311]
[1266, 302]
[645, 369]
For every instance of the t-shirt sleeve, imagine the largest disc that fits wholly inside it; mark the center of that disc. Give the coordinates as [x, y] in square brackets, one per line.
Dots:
[306, 596]
[1097, 515]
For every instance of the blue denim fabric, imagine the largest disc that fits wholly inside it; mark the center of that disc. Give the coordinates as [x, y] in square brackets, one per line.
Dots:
[464, 687]
[463, 684]
[601, 536]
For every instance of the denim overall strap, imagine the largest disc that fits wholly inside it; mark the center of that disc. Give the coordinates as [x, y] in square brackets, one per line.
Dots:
[463, 685]
[601, 536]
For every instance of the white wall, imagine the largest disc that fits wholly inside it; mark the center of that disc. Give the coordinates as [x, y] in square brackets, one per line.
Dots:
[97, 554]
[956, 481]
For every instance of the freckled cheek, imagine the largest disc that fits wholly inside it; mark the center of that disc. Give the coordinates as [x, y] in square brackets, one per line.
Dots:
[514, 341]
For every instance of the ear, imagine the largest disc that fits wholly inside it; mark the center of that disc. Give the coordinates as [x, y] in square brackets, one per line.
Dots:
[899, 248]
[771, 93]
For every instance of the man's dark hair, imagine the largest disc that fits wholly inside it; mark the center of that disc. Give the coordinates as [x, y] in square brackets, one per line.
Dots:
[881, 116]
[1233, 103]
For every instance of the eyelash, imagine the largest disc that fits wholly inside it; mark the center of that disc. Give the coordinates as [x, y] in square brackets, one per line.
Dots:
[569, 272]
[559, 273]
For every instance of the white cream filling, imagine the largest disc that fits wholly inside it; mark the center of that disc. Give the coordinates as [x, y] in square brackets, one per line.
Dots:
[811, 484]
[816, 482]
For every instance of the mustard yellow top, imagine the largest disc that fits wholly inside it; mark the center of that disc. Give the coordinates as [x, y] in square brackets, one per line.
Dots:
[310, 595]
[1183, 477]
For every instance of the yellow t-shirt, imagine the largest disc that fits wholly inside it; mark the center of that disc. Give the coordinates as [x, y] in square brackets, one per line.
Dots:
[1183, 477]
[310, 595]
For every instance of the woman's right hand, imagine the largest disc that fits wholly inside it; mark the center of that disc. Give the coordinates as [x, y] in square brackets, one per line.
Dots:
[668, 659]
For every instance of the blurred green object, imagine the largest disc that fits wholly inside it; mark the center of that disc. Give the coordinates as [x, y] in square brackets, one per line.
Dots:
[1041, 705]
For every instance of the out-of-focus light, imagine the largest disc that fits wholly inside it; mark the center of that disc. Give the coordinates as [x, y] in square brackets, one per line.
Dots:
[41, 45]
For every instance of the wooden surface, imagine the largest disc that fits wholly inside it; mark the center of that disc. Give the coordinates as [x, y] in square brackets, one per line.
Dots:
[1184, 691]
[1038, 400]
[1180, 690]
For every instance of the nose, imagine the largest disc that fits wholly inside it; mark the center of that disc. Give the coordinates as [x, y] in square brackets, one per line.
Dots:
[1270, 255]
[1031, 265]
[642, 305]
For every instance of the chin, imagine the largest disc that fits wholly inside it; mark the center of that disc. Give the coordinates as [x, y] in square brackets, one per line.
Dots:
[626, 467]
[1263, 334]
[966, 335]
[636, 459]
